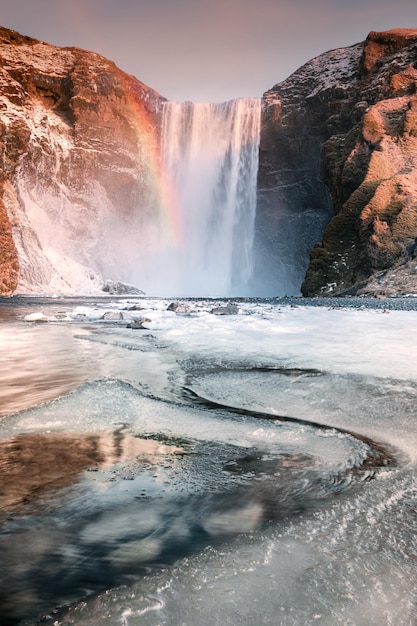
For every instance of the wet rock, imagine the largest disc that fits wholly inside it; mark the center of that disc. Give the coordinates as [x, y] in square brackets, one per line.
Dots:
[179, 307]
[139, 323]
[229, 309]
[119, 288]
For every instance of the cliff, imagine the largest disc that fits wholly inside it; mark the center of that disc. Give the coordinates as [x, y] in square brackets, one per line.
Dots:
[77, 146]
[339, 146]
[81, 197]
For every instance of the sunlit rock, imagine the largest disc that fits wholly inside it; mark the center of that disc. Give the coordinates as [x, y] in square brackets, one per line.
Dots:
[78, 139]
[83, 197]
[339, 146]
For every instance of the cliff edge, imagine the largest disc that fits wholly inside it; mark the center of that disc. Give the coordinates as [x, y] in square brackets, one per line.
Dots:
[77, 143]
[347, 121]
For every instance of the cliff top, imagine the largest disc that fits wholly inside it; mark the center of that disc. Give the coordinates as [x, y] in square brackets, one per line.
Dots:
[399, 35]
[381, 44]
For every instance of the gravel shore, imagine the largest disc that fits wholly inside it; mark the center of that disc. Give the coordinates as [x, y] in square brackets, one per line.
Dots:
[356, 302]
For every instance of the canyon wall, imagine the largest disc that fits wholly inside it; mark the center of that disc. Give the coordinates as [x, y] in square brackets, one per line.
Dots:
[339, 147]
[78, 139]
[337, 180]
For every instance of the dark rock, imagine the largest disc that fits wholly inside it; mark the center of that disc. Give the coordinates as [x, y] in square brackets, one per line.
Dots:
[139, 323]
[120, 289]
[338, 169]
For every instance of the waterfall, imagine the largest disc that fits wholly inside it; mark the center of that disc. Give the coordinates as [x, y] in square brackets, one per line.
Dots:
[209, 160]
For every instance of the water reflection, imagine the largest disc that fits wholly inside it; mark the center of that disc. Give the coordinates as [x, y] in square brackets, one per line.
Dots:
[33, 466]
[39, 363]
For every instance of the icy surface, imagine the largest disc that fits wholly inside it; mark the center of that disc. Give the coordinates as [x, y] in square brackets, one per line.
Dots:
[183, 468]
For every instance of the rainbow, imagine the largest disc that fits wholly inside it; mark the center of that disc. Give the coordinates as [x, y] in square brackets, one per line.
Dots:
[149, 141]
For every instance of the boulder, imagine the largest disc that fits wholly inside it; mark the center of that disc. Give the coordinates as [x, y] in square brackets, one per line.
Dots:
[139, 323]
[229, 309]
[118, 288]
[179, 307]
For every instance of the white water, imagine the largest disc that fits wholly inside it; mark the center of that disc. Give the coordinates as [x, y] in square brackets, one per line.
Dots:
[185, 227]
[210, 164]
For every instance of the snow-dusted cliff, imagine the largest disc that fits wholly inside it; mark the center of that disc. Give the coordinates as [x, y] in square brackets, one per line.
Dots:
[78, 142]
[339, 147]
[83, 199]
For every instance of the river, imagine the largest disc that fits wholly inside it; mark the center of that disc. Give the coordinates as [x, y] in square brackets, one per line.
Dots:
[208, 468]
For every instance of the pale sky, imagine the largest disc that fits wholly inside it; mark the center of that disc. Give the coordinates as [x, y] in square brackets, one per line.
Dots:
[207, 50]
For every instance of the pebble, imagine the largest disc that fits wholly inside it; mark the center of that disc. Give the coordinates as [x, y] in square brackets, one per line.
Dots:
[399, 303]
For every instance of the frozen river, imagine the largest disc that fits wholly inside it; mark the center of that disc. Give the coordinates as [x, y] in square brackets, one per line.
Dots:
[207, 469]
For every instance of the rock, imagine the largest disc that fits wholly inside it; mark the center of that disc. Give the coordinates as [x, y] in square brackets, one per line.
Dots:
[9, 262]
[56, 108]
[229, 309]
[112, 316]
[337, 180]
[179, 307]
[338, 168]
[119, 288]
[36, 317]
[139, 323]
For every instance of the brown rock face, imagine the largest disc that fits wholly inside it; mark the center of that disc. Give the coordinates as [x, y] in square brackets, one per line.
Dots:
[348, 120]
[9, 264]
[371, 173]
[379, 45]
[78, 139]
[337, 184]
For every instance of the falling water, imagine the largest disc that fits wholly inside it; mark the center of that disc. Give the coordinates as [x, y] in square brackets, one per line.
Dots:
[210, 163]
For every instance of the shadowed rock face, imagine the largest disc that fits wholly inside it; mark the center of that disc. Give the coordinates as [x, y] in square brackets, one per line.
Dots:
[346, 122]
[77, 139]
[299, 114]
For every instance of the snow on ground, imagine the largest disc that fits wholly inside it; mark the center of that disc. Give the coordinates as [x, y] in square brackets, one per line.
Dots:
[349, 340]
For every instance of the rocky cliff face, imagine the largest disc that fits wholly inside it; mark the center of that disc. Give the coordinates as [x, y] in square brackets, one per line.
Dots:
[345, 124]
[337, 184]
[77, 148]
